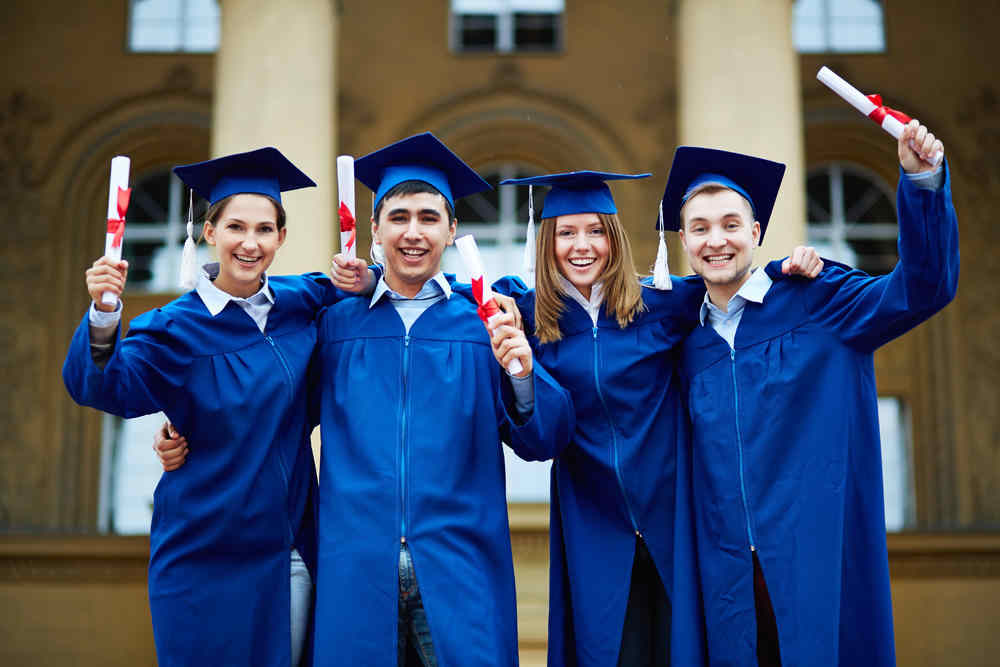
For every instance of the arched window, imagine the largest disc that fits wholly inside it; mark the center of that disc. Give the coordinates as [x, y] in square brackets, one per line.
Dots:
[838, 26]
[154, 237]
[851, 217]
[156, 230]
[498, 218]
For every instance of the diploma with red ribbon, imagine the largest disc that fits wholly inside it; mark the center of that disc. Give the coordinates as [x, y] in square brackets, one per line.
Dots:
[345, 186]
[488, 308]
[118, 196]
[891, 120]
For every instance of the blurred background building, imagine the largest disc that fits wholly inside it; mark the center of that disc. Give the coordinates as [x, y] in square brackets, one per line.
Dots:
[516, 87]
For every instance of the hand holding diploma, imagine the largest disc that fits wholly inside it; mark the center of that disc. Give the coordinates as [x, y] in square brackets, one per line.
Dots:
[489, 311]
[106, 277]
[510, 346]
[891, 120]
[917, 147]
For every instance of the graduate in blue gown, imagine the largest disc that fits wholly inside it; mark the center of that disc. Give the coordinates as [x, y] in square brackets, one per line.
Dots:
[233, 531]
[611, 342]
[787, 466]
[415, 564]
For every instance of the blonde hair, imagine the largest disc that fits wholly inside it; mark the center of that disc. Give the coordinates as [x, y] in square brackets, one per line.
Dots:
[622, 292]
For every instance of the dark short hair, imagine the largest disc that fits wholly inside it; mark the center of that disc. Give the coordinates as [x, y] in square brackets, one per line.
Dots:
[214, 211]
[413, 188]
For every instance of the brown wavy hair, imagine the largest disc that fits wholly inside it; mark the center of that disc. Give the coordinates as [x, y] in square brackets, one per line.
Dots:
[622, 292]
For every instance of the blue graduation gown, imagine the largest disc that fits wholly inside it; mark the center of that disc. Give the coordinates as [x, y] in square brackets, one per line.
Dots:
[787, 453]
[224, 523]
[620, 475]
[411, 426]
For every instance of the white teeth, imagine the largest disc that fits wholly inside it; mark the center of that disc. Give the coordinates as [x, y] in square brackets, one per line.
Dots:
[582, 261]
[247, 259]
[412, 252]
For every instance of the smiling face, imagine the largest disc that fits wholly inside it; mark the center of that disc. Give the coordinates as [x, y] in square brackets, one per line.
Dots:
[246, 236]
[720, 235]
[413, 230]
[582, 249]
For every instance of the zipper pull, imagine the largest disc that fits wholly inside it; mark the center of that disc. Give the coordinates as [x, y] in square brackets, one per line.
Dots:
[732, 354]
[406, 341]
[595, 332]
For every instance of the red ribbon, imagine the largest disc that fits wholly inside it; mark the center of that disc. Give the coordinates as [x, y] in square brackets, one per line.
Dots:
[881, 111]
[485, 310]
[347, 224]
[116, 226]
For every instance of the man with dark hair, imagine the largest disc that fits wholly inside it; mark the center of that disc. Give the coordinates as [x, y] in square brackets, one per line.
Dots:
[786, 454]
[415, 564]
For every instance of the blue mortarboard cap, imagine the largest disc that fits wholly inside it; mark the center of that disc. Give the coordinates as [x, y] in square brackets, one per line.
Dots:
[421, 157]
[576, 191]
[756, 179]
[264, 171]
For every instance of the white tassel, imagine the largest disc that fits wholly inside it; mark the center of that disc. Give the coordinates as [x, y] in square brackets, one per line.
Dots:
[189, 256]
[529, 244]
[377, 255]
[661, 270]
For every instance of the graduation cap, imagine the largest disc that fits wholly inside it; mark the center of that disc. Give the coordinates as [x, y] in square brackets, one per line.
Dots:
[757, 180]
[421, 157]
[572, 192]
[576, 191]
[264, 171]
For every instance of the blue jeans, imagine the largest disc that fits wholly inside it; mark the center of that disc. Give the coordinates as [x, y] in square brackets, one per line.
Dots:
[301, 604]
[414, 633]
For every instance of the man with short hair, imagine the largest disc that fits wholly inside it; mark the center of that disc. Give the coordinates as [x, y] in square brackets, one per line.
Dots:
[415, 563]
[781, 389]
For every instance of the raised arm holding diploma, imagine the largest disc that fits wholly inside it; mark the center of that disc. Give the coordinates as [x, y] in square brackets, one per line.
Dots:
[889, 119]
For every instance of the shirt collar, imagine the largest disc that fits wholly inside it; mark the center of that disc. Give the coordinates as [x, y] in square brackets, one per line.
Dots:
[596, 294]
[437, 284]
[754, 289]
[216, 299]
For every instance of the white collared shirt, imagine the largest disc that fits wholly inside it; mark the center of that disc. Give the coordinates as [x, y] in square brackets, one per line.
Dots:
[257, 305]
[434, 290]
[591, 305]
[726, 323]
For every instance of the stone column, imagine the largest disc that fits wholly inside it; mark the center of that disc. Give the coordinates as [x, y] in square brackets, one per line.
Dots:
[739, 90]
[275, 85]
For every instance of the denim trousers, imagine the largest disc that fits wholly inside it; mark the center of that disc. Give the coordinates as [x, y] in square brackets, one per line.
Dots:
[415, 646]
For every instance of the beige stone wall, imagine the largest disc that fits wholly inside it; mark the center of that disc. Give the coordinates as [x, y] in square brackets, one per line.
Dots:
[71, 97]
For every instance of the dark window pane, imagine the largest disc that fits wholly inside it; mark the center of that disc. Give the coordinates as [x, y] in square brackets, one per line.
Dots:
[139, 255]
[477, 32]
[536, 32]
[874, 256]
[150, 199]
[865, 202]
[818, 195]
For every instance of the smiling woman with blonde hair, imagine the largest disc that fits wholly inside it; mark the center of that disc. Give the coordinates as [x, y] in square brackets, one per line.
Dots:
[609, 340]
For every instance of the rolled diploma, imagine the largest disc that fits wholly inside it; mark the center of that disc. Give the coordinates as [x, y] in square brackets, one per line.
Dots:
[473, 262]
[345, 187]
[860, 101]
[119, 179]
